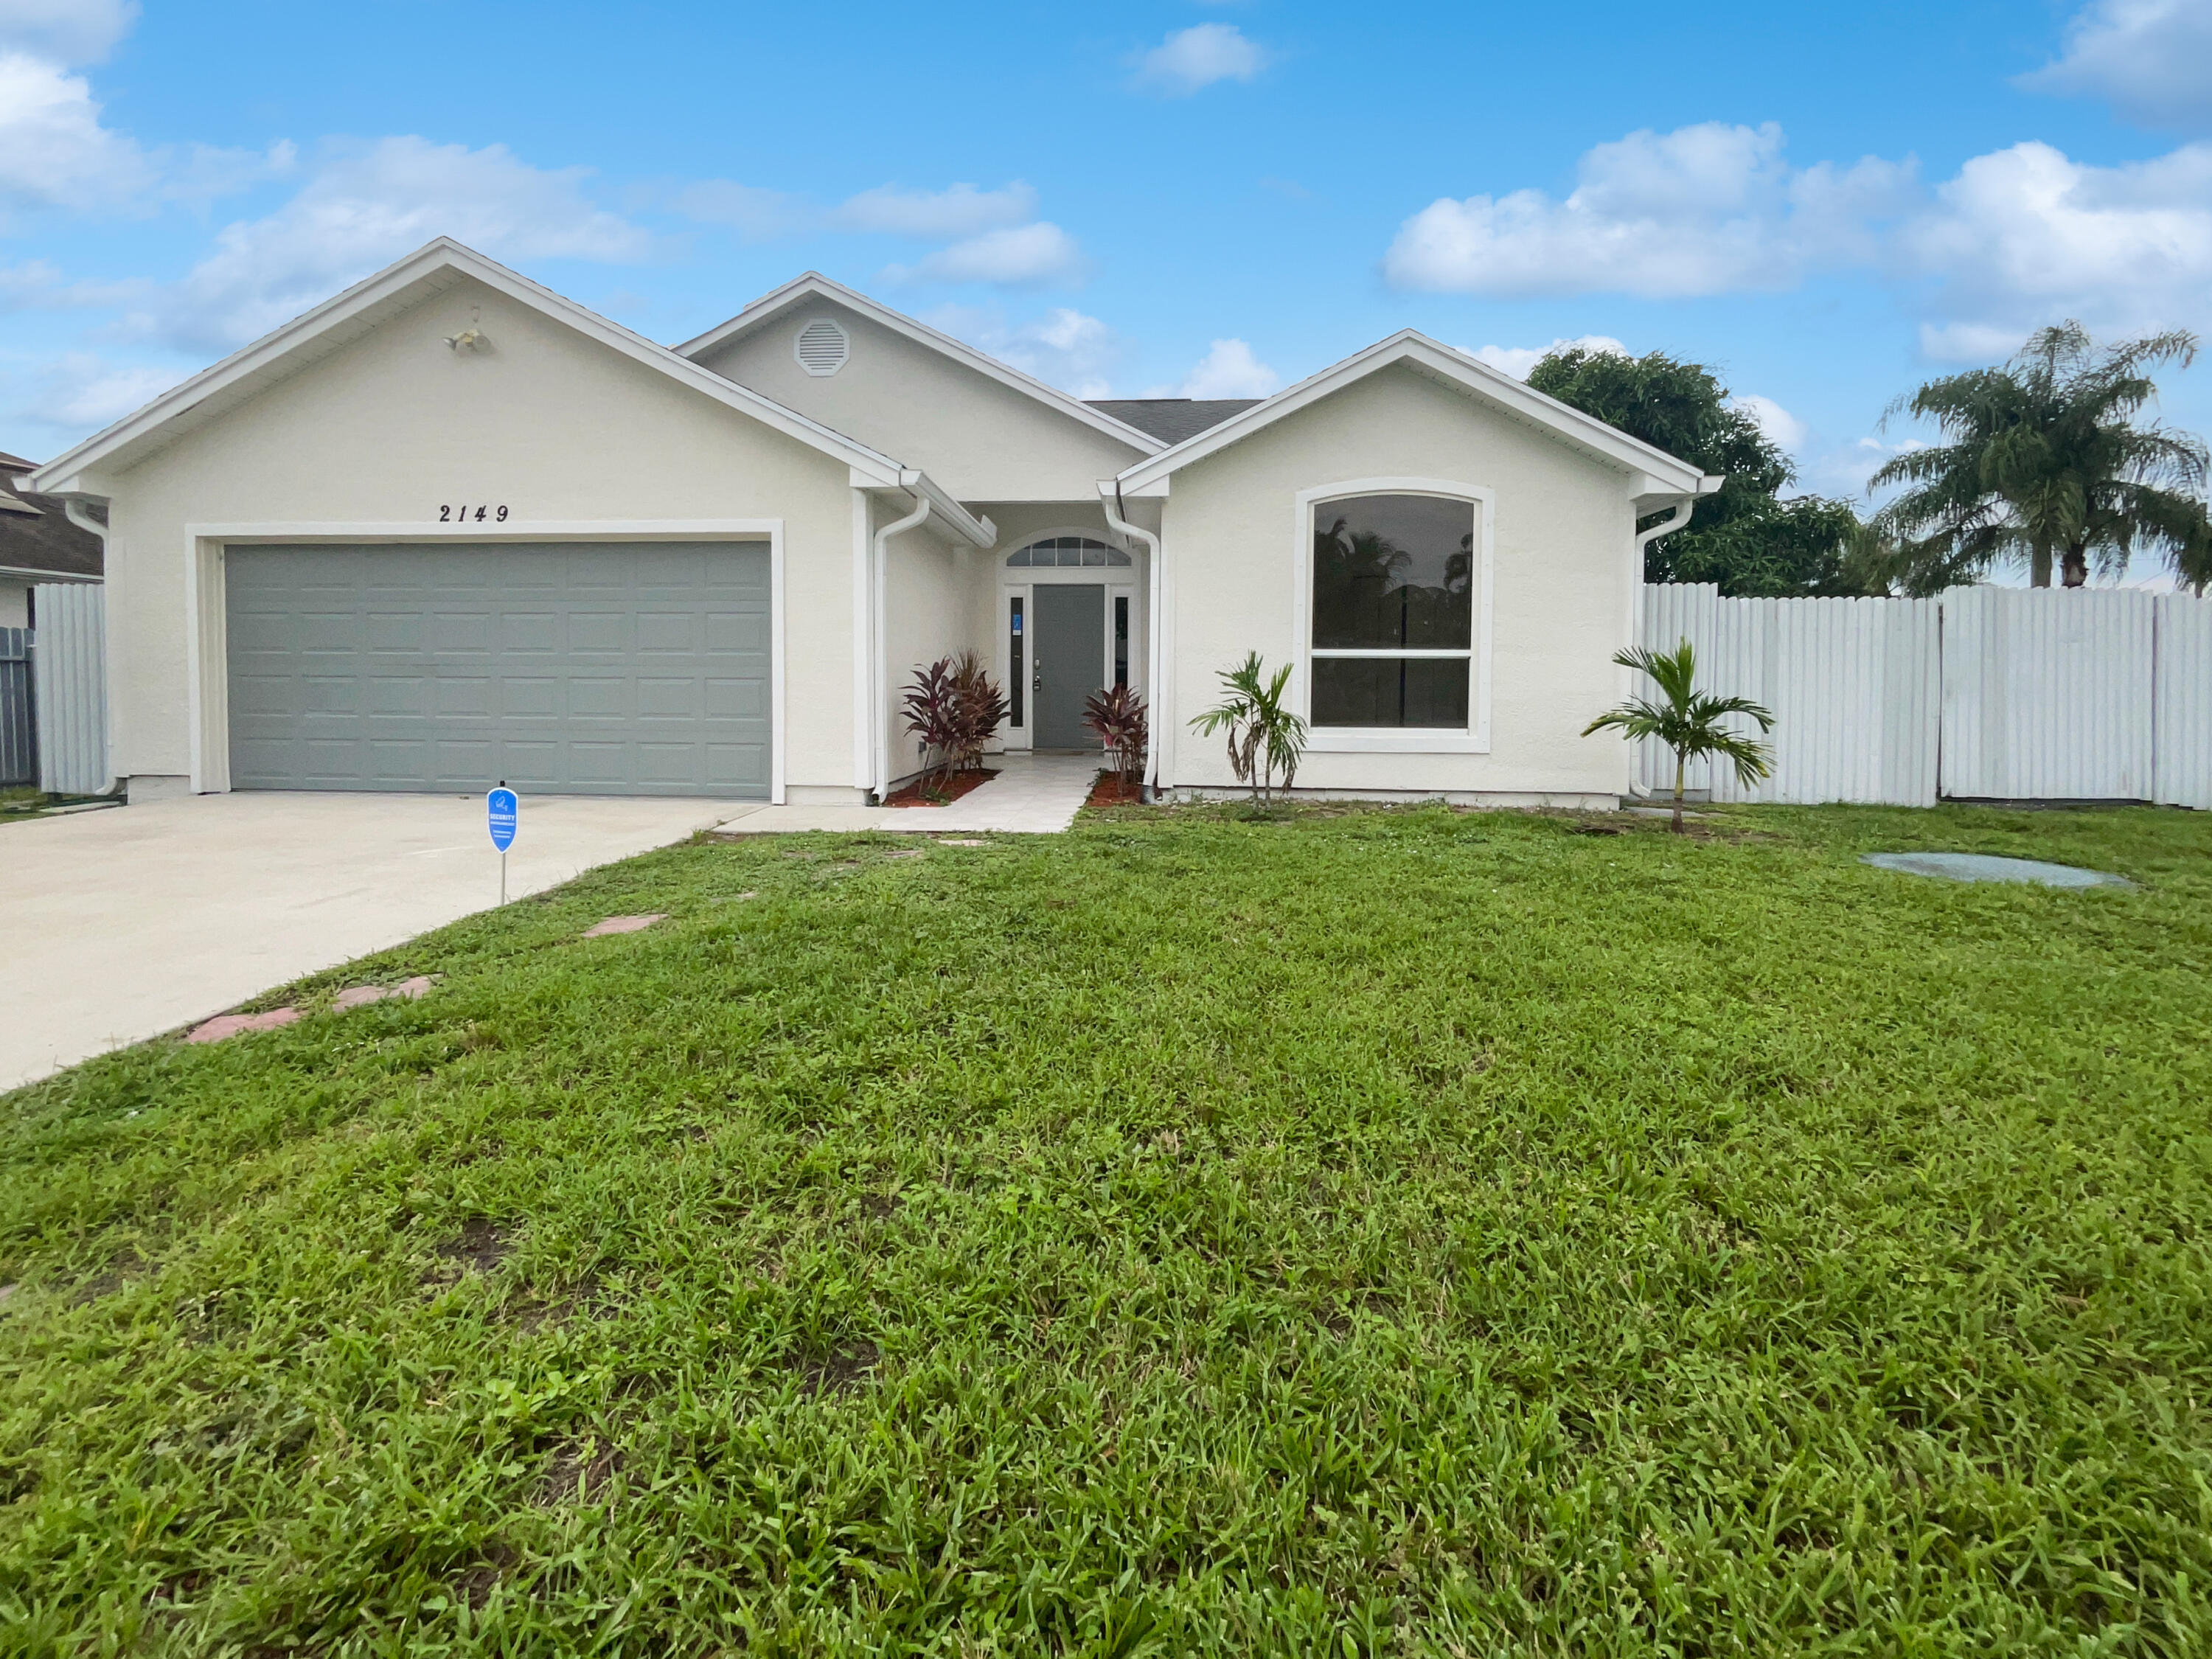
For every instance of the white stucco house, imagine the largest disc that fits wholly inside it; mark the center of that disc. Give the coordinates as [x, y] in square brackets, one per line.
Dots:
[450, 527]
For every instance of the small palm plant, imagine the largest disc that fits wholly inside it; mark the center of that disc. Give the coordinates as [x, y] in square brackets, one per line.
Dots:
[1686, 722]
[1264, 736]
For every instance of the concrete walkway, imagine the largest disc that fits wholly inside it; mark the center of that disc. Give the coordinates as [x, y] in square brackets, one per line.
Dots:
[117, 926]
[1033, 794]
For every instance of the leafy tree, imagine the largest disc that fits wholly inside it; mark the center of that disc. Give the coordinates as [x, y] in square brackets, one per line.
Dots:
[1686, 722]
[1744, 539]
[1264, 736]
[2044, 463]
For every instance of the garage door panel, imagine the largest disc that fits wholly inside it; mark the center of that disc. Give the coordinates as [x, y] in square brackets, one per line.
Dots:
[613, 668]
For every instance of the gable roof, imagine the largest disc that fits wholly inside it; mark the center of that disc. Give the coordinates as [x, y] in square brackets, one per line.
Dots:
[1173, 419]
[1663, 473]
[36, 537]
[338, 321]
[815, 285]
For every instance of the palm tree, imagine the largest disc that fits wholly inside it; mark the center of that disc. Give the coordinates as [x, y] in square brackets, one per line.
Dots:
[1264, 736]
[1686, 722]
[2045, 465]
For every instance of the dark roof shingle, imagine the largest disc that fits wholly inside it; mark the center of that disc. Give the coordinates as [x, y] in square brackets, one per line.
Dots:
[42, 537]
[1171, 420]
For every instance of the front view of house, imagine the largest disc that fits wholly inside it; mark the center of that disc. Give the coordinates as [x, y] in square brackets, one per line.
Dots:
[450, 528]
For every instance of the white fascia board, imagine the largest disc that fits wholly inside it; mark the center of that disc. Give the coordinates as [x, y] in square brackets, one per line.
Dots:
[27, 573]
[813, 285]
[1410, 347]
[62, 476]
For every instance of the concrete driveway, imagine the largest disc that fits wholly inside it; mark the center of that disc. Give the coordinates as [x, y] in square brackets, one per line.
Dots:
[117, 926]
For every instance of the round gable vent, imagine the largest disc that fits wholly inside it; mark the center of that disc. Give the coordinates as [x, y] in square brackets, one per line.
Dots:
[822, 347]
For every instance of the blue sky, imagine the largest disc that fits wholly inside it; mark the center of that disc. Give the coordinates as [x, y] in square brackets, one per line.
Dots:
[1829, 204]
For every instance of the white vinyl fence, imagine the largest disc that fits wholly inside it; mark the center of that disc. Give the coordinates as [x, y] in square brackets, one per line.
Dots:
[1986, 693]
[69, 663]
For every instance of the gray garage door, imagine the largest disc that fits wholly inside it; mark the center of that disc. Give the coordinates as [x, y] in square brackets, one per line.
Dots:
[637, 668]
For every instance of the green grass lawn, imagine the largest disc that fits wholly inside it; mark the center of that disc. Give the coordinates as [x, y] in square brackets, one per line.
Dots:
[1399, 1232]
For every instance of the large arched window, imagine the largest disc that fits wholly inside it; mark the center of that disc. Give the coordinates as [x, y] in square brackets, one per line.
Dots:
[1394, 602]
[1066, 553]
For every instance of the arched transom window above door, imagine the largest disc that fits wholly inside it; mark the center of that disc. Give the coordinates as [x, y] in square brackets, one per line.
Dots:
[1066, 553]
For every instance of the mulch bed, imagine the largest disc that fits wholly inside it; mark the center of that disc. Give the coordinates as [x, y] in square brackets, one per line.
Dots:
[933, 791]
[1112, 789]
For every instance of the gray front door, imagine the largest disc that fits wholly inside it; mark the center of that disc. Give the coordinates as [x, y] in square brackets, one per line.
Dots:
[583, 668]
[1068, 662]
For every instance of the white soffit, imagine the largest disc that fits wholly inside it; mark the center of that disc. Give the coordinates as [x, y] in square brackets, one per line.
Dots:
[1460, 372]
[400, 286]
[814, 285]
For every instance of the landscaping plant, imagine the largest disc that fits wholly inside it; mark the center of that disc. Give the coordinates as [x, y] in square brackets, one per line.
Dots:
[1117, 717]
[934, 715]
[1264, 736]
[980, 705]
[1687, 722]
[954, 707]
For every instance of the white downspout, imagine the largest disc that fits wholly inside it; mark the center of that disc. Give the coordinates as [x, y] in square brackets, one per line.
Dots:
[878, 635]
[1683, 509]
[1113, 504]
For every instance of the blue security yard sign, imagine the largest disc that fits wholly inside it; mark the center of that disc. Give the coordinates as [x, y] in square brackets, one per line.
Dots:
[503, 810]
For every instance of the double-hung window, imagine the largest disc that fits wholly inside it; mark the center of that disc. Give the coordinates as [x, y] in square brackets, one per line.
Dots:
[1393, 644]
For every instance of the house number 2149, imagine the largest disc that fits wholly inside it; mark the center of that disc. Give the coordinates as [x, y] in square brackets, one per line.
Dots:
[471, 515]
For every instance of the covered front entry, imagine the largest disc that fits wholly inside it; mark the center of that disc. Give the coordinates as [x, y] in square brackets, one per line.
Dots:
[615, 668]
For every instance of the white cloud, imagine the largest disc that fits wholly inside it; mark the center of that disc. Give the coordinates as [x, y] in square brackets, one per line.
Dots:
[1064, 347]
[2018, 238]
[56, 153]
[938, 216]
[1704, 210]
[1783, 430]
[1844, 472]
[367, 208]
[66, 31]
[1019, 256]
[2152, 59]
[1517, 361]
[1191, 59]
[1229, 369]
[38, 285]
[959, 210]
[53, 150]
[82, 393]
[756, 215]
[2025, 235]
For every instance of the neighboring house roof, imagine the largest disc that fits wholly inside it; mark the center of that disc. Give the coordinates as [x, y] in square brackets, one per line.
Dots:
[1173, 419]
[1663, 475]
[435, 266]
[815, 285]
[36, 538]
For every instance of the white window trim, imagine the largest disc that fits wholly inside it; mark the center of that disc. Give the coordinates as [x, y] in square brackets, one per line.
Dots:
[1392, 740]
[207, 647]
[1021, 582]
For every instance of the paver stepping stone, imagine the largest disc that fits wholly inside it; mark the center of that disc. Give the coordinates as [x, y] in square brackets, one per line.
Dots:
[360, 996]
[1985, 866]
[960, 840]
[623, 924]
[229, 1025]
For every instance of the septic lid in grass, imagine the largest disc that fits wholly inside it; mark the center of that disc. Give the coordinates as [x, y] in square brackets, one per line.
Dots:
[1984, 866]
